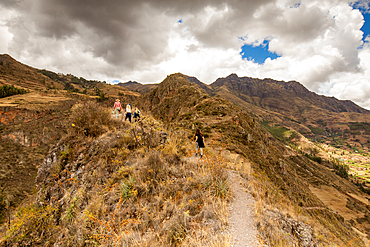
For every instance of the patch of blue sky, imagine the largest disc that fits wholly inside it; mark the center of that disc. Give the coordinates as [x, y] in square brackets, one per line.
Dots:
[362, 5]
[257, 54]
[364, 8]
[366, 27]
[295, 5]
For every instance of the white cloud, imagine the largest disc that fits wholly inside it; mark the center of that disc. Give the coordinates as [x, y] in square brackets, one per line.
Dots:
[142, 40]
[5, 35]
[5, 38]
[352, 86]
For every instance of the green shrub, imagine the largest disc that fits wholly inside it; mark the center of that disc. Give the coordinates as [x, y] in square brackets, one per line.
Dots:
[70, 213]
[102, 97]
[340, 168]
[127, 188]
[6, 91]
[2, 205]
[220, 188]
[314, 158]
[317, 131]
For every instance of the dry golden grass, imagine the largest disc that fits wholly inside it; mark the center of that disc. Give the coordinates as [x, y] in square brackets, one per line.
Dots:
[125, 187]
[275, 214]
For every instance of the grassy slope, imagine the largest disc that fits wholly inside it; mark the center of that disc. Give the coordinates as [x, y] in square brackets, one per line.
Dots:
[32, 123]
[317, 117]
[26, 135]
[121, 185]
[285, 178]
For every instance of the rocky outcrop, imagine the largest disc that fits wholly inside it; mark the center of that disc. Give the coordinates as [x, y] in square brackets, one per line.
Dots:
[171, 96]
[10, 115]
[21, 138]
[292, 232]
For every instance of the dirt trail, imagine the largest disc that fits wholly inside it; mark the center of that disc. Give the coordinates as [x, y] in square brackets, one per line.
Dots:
[241, 219]
[242, 227]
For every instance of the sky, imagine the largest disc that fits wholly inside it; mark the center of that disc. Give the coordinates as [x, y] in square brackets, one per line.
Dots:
[323, 44]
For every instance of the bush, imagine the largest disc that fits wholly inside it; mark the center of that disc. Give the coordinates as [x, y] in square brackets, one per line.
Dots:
[39, 219]
[317, 131]
[176, 233]
[90, 119]
[2, 205]
[6, 91]
[102, 97]
[340, 168]
[314, 158]
[127, 188]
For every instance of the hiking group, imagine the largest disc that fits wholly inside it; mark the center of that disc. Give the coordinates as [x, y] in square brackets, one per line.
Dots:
[198, 137]
[117, 108]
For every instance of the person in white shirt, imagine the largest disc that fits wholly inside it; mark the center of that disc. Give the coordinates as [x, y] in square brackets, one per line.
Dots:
[128, 112]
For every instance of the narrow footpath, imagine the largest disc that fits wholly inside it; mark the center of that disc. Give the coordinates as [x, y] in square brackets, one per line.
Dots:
[243, 229]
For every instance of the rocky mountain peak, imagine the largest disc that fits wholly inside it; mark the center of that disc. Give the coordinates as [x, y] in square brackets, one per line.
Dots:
[132, 83]
[171, 83]
[233, 76]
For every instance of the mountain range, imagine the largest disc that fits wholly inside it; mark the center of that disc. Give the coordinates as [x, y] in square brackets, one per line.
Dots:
[287, 142]
[290, 105]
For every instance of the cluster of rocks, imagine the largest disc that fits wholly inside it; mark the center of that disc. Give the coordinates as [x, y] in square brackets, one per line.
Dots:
[292, 231]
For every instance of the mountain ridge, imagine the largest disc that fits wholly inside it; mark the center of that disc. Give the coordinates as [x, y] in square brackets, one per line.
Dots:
[137, 87]
[257, 87]
[227, 125]
[292, 105]
[281, 175]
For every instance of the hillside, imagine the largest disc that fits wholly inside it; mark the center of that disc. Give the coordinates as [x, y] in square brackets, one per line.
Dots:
[104, 182]
[108, 183]
[111, 183]
[289, 96]
[293, 176]
[32, 123]
[291, 105]
[177, 101]
[279, 104]
[15, 73]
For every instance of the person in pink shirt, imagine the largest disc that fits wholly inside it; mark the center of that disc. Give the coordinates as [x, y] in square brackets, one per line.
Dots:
[117, 107]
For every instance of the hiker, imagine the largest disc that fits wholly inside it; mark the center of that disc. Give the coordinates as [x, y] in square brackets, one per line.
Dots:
[199, 140]
[128, 112]
[117, 107]
[136, 114]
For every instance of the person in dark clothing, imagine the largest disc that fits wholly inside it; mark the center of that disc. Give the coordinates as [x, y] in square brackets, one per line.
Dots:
[199, 141]
[136, 114]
